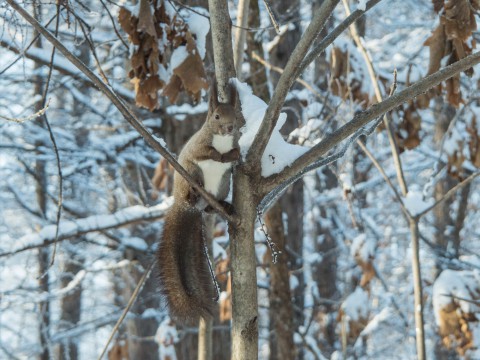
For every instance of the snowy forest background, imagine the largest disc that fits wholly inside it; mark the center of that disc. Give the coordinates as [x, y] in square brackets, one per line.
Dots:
[346, 242]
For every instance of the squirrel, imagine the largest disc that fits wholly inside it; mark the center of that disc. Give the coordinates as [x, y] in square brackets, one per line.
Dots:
[186, 278]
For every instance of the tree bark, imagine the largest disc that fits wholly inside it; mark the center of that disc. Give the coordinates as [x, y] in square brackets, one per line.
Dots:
[40, 190]
[244, 278]
[280, 299]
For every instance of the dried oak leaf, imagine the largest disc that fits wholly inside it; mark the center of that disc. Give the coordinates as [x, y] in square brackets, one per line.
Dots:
[162, 176]
[459, 19]
[437, 44]
[147, 91]
[145, 19]
[173, 88]
[226, 303]
[192, 74]
[474, 142]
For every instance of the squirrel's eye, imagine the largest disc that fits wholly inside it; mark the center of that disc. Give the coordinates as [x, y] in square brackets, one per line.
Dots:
[217, 116]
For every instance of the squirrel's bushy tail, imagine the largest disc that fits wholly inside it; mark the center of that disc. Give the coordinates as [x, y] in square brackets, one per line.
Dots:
[185, 278]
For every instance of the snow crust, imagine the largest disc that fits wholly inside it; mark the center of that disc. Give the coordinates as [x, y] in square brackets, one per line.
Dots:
[278, 153]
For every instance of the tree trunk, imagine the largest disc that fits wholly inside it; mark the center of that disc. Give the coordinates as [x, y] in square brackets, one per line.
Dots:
[292, 201]
[70, 304]
[280, 299]
[40, 189]
[244, 278]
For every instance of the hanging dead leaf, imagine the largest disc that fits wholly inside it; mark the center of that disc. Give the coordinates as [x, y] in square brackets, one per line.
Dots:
[156, 36]
[454, 37]
[145, 19]
[172, 89]
[459, 19]
[454, 296]
[192, 75]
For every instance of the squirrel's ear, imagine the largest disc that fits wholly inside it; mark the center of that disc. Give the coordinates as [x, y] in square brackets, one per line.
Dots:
[233, 95]
[213, 101]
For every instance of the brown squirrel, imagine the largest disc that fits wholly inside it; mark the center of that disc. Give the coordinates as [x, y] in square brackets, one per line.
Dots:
[184, 269]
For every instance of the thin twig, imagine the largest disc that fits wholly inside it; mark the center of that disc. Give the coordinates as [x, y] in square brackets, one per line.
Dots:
[272, 17]
[134, 296]
[54, 143]
[39, 113]
[270, 243]
[449, 193]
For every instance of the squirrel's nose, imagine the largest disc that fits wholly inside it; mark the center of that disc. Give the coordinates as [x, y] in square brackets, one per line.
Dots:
[230, 128]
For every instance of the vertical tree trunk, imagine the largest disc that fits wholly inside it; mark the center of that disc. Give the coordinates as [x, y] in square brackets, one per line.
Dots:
[206, 326]
[244, 279]
[40, 171]
[292, 202]
[281, 309]
[70, 304]
[242, 249]
[280, 299]
[324, 272]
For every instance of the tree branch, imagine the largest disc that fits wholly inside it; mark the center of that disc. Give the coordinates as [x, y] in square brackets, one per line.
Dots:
[327, 40]
[285, 82]
[124, 110]
[69, 229]
[364, 117]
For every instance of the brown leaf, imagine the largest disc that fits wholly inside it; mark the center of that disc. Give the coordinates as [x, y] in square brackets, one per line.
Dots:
[125, 20]
[192, 74]
[147, 91]
[172, 89]
[145, 19]
[459, 19]
[437, 44]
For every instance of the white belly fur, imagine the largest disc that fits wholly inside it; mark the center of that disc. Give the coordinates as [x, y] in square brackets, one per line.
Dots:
[213, 171]
[222, 143]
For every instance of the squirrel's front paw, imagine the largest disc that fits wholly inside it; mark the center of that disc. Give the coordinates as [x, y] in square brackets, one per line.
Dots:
[232, 155]
[229, 209]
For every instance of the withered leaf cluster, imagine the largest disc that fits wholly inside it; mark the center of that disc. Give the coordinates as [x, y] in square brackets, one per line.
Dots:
[455, 323]
[453, 39]
[155, 36]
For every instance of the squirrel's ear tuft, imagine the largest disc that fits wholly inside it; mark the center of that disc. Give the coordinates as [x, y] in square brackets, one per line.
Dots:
[233, 95]
[213, 101]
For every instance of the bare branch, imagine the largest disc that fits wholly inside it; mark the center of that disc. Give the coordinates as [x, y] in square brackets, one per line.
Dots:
[29, 117]
[69, 229]
[450, 193]
[327, 40]
[134, 297]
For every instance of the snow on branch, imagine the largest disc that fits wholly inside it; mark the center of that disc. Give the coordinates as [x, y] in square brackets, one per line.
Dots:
[68, 229]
